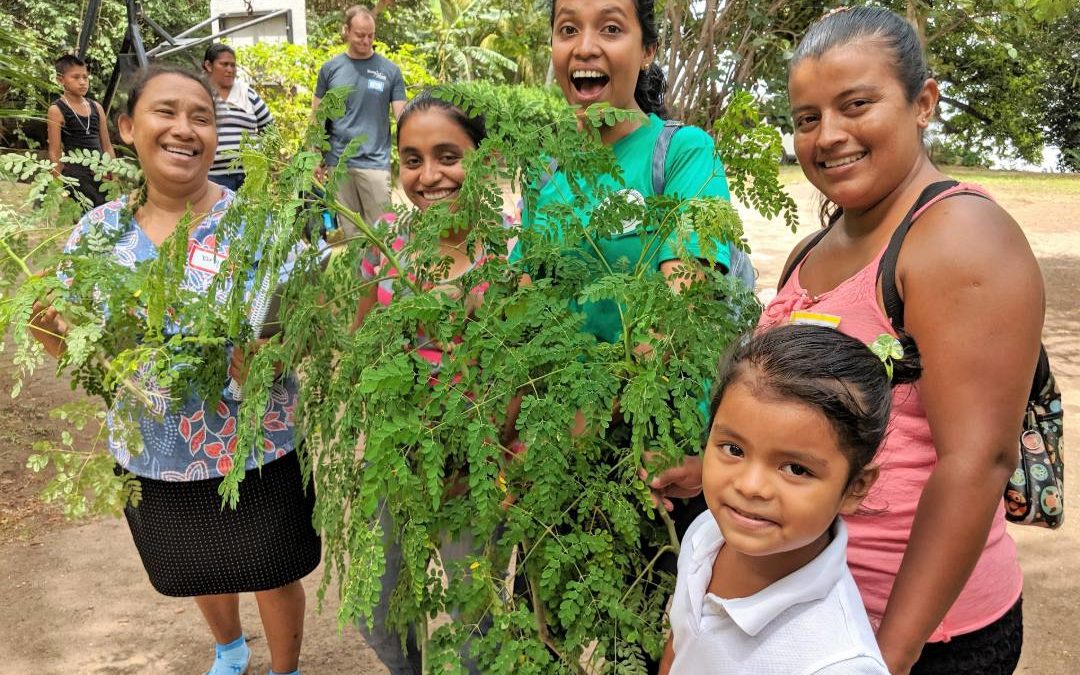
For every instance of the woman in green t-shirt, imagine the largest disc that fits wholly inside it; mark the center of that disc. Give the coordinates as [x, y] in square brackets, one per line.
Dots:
[605, 53]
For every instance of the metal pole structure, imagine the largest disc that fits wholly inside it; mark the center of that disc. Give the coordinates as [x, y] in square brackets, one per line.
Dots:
[93, 8]
[164, 34]
[198, 26]
[158, 51]
[133, 42]
[136, 36]
[114, 79]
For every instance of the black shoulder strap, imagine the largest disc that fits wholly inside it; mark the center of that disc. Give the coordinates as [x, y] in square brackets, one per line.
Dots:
[659, 155]
[801, 255]
[894, 304]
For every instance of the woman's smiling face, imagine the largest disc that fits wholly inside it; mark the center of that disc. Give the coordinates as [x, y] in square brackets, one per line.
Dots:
[431, 145]
[597, 51]
[173, 130]
[857, 136]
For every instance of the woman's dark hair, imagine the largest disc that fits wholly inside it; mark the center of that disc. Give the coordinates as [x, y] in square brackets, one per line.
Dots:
[145, 75]
[216, 50]
[428, 99]
[827, 370]
[651, 84]
[873, 24]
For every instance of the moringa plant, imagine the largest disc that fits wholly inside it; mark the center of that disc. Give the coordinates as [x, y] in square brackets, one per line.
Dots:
[524, 448]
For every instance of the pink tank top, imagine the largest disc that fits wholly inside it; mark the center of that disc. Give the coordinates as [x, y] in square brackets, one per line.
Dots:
[876, 543]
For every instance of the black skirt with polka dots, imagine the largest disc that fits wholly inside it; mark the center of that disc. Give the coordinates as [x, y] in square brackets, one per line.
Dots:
[190, 545]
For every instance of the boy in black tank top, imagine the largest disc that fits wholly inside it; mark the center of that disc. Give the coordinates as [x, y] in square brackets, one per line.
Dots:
[75, 121]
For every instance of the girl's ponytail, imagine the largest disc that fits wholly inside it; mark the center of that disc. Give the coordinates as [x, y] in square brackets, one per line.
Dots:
[908, 369]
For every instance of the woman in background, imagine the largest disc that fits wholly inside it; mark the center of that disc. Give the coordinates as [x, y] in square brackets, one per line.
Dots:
[239, 111]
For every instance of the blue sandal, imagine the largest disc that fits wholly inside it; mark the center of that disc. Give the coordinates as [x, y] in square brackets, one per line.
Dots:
[231, 659]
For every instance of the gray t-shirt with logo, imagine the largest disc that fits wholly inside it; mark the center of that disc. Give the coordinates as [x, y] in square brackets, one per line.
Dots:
[375, 82]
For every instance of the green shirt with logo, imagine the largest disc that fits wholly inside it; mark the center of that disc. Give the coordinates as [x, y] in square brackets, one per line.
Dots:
[692, 170]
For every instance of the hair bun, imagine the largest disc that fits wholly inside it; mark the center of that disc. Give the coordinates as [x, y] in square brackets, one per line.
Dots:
[649, 93]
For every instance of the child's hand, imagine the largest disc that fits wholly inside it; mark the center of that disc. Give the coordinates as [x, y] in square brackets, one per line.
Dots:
[48, 328]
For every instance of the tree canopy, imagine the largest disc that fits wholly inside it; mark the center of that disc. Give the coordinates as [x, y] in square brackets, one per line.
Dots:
[1006, 66]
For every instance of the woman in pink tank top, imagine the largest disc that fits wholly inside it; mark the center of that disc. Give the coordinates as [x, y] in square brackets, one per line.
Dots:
[932, 559]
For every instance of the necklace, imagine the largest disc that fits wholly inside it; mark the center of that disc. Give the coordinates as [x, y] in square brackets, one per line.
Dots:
[78, 117]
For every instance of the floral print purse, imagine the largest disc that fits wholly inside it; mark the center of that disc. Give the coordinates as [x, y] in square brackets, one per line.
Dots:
[1035, 493]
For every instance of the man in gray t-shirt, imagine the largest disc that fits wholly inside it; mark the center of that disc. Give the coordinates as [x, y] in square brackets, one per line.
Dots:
[377, 86]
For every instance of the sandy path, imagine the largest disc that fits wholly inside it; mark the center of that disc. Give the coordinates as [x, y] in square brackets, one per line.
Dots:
[74, 599]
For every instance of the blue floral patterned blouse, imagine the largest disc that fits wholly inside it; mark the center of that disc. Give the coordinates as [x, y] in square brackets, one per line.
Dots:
[193, 441]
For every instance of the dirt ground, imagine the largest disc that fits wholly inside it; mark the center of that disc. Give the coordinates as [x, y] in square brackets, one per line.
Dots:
[74, 597]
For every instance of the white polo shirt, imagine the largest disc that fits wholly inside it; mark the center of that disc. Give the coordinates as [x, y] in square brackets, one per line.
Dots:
[810, 622]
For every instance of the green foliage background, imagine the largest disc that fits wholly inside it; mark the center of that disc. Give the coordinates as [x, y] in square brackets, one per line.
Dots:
[284, 75]
[1005, 65]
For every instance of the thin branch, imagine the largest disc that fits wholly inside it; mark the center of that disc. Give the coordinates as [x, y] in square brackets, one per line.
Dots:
[965, 107]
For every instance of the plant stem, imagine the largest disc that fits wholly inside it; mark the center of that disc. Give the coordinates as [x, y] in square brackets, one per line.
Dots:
[18, 261]
[48, 240]
[673, 537]
[372, 238]
[541, 618]
[648, 568]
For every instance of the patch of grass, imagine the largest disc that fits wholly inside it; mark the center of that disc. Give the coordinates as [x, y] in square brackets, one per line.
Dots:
[791, 174]
[1028, 181]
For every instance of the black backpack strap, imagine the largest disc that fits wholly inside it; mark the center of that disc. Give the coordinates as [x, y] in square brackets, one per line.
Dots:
[894, 304]
[1042, 374]
[801, 255]
[659, 155]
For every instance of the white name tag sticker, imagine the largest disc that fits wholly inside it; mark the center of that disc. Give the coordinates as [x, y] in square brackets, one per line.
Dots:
[205, 259]
[815, 319]
[375, 85]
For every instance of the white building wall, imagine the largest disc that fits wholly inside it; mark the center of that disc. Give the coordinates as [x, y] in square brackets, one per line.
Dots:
[274, 30]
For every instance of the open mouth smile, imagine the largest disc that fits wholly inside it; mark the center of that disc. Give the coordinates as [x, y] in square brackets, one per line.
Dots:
[438, 195]
[181, 150]
[589, 83]
[842, 161]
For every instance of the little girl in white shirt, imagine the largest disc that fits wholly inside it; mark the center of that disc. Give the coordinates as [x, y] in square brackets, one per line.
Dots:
[797, 416]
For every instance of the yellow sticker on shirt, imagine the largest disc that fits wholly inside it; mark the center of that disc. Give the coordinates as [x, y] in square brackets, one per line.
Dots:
[814, 319]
